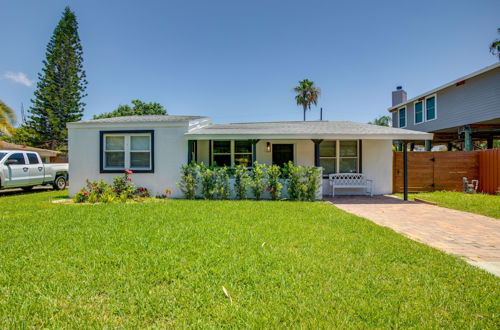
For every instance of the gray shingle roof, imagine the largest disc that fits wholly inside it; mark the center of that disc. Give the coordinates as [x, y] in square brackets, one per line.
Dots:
[141, 119]
[310, 128]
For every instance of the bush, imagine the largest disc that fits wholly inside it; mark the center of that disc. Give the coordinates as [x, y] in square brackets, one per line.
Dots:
[222, 188]
[208, 185]
[274, 185]
[258, 180]
[312, 182]
[100, 191]
[297, 188]
[189, 180]
[241, 181]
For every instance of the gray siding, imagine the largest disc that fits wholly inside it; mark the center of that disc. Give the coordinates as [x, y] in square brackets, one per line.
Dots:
[475, 101]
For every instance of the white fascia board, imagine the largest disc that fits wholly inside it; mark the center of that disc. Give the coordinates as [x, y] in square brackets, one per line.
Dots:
[128, 125]
[412, 136]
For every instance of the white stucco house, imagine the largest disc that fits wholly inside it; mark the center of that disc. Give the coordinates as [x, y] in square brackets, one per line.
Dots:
[155, 147]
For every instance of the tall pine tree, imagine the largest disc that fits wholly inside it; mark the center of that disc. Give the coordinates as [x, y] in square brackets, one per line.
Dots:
[60, 88]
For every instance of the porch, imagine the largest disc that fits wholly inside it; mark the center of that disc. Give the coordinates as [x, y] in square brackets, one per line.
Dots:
[373, 158]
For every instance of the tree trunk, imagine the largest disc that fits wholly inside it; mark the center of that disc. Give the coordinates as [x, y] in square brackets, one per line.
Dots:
[305, 108]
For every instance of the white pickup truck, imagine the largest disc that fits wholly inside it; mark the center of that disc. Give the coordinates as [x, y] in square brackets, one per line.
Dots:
[24, 169]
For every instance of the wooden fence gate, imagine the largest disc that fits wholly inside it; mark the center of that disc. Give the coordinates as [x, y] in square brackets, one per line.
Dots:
[435, 170]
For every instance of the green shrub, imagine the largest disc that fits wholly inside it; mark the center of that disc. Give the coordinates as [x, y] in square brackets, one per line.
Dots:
[274, 185]
[312, 182]
[241, 181]
[297, 188]
[208, 178]
[258, 180]
[189, 180]
[222, 189]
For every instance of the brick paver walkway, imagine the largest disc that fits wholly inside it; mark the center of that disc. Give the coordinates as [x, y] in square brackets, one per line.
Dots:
[476, 238]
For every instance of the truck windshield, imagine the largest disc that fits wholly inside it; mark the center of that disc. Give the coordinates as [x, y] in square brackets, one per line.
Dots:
[2, 155]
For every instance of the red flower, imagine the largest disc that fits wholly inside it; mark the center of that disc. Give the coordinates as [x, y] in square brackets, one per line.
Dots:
[85, 193]
[129, 179]
[129, 172]
[96, 187]
[116, 190]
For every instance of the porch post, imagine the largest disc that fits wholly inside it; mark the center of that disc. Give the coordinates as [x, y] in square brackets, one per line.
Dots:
[254, 150]
[209, 153]
[405, 171]
[316, 152]
[468, 139]
[428, 145]
[190, 151]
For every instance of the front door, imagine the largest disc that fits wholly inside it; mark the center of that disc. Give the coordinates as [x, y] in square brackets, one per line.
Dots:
[282, 154]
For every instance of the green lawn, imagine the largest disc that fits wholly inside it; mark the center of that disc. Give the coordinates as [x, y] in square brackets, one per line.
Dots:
[488, 205]
[164, 264]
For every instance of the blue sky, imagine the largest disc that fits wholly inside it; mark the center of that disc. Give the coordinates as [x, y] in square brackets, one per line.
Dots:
[238, 61]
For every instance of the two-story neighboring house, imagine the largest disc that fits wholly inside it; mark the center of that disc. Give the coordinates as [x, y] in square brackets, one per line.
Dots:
[461, 113]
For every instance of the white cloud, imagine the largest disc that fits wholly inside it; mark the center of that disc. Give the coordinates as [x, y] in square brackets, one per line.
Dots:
[18, 77]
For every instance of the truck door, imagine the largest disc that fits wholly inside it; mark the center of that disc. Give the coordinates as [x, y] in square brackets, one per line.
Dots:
[16, 171]
[36, 170]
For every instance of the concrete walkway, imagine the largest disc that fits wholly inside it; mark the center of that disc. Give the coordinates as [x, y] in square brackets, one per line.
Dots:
[475, 238]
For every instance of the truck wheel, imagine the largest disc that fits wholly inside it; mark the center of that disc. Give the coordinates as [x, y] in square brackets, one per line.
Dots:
[60, 183]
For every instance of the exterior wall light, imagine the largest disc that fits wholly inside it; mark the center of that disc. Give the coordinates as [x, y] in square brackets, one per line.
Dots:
[268, 147]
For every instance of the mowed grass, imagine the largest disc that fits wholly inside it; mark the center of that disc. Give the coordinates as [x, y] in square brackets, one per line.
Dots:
[484, 204]
[285, 264]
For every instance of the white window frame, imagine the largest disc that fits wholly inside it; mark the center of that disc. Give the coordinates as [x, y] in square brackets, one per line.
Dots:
[406, 117]
[435, 107]
[127, 150]
[415, 112]
[232, 152]
[337, 156]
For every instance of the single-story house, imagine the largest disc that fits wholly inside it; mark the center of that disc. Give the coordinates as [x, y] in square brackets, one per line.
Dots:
[155, 147]
[47, 155]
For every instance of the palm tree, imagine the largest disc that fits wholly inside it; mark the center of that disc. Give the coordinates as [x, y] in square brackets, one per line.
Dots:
[495, 46]
[7, 119]
[381, 121]
[307, 94]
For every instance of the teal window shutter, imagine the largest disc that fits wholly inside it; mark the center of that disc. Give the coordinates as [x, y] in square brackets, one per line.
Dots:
[430, 108]
[419, 113]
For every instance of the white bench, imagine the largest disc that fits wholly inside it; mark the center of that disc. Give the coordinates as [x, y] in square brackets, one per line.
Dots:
[350, 180]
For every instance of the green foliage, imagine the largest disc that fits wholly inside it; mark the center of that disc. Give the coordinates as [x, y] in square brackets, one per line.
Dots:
[222, 188]
[139, 108]
[163, 265]
[381, 121]
[297, 188]
[258, 183]
[20, 136]
[122, 189]
[7, 119]
[307, 94]
[60, 88]
[189, 180]
[274, 185]
[312, 182]
[495, 46]
[242, 181]
[214, 182]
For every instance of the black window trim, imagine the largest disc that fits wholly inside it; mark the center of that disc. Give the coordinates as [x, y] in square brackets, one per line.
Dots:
[101, 150]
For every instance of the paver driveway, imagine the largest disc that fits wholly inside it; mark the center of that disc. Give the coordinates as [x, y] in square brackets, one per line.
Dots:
[476, 238]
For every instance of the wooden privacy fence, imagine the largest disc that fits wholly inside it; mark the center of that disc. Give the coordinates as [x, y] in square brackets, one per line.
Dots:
[444, 170]
[489, 171]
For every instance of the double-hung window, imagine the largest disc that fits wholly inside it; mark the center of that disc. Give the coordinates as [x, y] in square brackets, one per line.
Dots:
[402, 117]
[339, 156]
[419, 111]
[430, 108]
[127, 150]
[232, 152]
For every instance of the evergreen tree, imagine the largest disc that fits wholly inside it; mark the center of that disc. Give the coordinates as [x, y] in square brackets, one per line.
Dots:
[60, 88]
